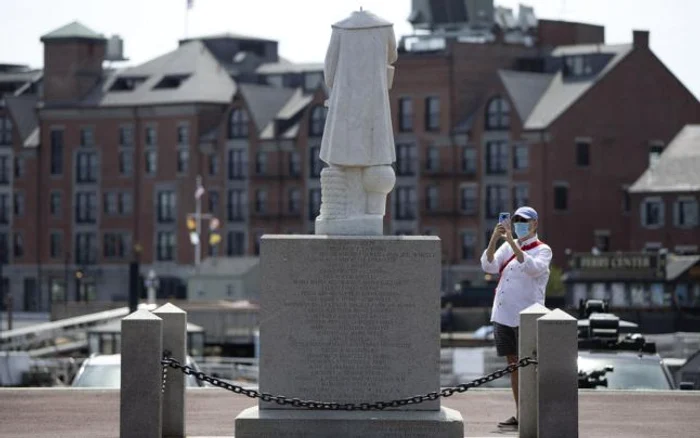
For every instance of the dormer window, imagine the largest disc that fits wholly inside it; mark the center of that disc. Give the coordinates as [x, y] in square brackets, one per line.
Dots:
[318, 121]
[579, 65]
[127, 83]
[238, 123]
[170, 82]
[498, 114]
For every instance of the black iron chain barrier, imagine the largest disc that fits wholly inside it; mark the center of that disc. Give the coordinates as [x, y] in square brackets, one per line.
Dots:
[168, 361]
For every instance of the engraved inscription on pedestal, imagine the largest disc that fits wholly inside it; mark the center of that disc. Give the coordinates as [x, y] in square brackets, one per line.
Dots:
[350, 320]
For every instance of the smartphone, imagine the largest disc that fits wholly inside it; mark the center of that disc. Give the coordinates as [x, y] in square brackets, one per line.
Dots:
[502, 217]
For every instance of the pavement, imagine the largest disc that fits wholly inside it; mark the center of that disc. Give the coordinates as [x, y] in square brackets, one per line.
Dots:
[94, 413]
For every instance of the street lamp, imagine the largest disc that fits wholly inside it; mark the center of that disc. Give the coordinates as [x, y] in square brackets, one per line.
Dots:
[152, 283]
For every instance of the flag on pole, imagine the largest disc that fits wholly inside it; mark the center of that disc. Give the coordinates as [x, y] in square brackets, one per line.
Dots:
[190, 4]
[199, 192]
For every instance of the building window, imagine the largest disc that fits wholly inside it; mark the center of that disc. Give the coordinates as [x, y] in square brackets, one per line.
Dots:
[432, 198]
[165, 246]
[498, 114]
[183, 135]
[151, 136]
[126, 163]
[55, 204]
[56, 245]
[19, 204]
[261, 201]
[238, 123]
[655, 151]
[432, 159]
[109, 203]
[294, 163]
[166, 206]
[4, 257]
[496, 200]
[87, 137]
[561, 197]
[405, 114]
[183, 160]
[237, 163]
[213, 199]
[601, 240]
[114, 245]
[578, 65]
[312, 80]
[126, 136]
[5, 170]
[18, 245]
[432, 114]
[314, 203]
[213, 164]
[151, 163]
[318, 121]
[236, 205]
[467, 200]
[521, 196]
[261, 163]
[521, 157]
[86, 171]
[468, 245]
[496, 157]
[468, 164]
[405, 159]
[85, 248]
[583, 151]
[5, 131]
[5, 208]
[235, 245]
[315, 163]
[19, 167]
[86, 207]
[294, 201]
[124, 204]
[56, 152]
[405, 203]
[686, 213]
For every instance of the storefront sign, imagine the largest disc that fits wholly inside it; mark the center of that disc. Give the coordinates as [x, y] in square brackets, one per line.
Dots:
[622, 266]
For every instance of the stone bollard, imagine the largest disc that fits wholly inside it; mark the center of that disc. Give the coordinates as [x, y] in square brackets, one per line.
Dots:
[174, 341]
[557, 375]
[141, 376]
[527, 377]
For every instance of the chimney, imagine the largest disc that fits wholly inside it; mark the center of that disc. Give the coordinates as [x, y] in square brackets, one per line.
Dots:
[640, 38]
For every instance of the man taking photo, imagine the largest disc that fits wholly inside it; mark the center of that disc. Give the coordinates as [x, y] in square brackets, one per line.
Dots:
[523, 268]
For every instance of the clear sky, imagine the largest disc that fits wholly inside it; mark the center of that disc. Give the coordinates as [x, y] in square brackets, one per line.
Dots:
[153, 27]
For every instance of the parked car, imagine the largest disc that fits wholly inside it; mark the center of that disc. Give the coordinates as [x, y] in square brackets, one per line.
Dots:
[104, 371]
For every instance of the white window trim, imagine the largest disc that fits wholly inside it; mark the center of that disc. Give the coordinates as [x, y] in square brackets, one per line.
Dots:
[476, 199]
[643, 212]
[676, 211]
[475, 234]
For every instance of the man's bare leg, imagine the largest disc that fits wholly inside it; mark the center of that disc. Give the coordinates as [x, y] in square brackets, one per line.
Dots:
[514, 382]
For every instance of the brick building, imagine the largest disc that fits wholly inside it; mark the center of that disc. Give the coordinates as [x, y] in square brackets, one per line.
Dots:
[100, 165]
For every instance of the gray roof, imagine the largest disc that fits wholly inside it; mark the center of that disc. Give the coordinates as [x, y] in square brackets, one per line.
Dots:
[227, 35]
[297, 102]
[285, 66]
[525, 89]
[561, 93]
[206, 81]
[265, 102]
[23, 111]
[228, 266]
[676, 265]
[21, 76]
[678, 167]
[73, 30]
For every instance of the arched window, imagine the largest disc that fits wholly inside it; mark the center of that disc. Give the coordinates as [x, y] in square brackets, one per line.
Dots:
[238, 123]
[498, 114]
[318, 121]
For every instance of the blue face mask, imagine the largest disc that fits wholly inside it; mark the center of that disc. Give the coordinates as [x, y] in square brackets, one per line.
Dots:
[521, 229]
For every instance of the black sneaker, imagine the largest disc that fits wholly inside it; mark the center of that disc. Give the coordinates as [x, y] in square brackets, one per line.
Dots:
[511, 423]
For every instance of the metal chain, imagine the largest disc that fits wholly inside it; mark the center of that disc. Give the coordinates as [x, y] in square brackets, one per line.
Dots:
[312, 404]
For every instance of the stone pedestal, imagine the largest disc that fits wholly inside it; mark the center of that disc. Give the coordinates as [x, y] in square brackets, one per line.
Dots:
[350, 320]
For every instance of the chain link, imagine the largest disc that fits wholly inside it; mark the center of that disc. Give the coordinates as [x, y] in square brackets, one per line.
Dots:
[331, 406]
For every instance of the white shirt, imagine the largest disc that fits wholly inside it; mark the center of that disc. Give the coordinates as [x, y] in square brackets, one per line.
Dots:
[521, 284]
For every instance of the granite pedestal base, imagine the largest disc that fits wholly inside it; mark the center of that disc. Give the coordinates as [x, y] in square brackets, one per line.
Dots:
[259, 423]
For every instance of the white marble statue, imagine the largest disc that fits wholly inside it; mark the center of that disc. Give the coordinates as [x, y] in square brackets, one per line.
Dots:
[358, 140]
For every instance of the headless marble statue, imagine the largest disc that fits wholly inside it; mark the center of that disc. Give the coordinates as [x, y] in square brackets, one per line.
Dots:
[358, 140]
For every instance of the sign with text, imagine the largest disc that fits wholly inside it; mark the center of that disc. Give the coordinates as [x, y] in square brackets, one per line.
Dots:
[639, 265]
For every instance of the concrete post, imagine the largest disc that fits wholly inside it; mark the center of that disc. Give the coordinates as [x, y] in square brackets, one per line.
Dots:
[141, 376]
[527, 377]
[174, 341]
[557, 375]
